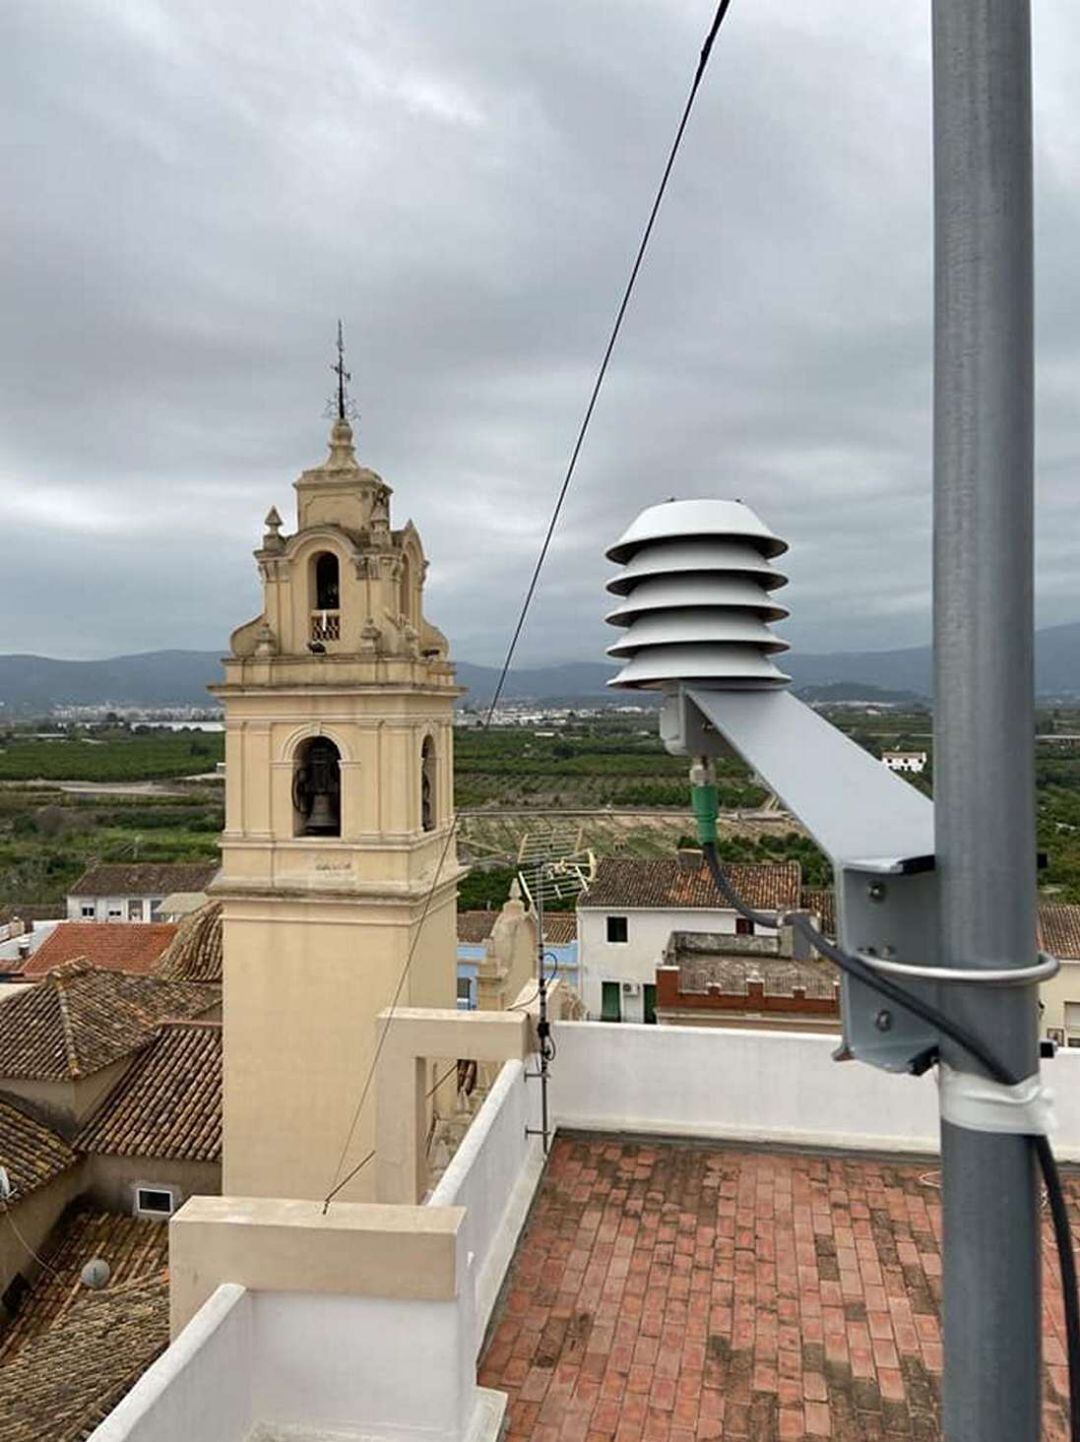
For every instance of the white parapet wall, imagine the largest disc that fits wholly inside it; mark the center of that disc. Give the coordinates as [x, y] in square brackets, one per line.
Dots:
[290, 1322]
[493, 1175]
[759, 1086]
[201, 1387]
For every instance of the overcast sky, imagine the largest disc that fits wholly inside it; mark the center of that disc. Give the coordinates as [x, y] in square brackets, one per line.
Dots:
[193, 194]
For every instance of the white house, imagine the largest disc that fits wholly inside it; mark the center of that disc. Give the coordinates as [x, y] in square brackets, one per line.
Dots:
[913, 761]
[634, 905]
[134, 891]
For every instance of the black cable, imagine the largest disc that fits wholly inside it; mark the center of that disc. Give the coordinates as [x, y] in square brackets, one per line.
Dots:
[703, 60]
[981, 1053]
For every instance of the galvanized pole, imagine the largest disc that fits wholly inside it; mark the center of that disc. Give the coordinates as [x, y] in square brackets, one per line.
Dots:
[984, 714]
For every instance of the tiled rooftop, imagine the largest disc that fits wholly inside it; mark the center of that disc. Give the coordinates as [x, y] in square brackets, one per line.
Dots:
[31, 1153]
[71, 1353]
[560, 927]
[169, 1102]
[195, 954]
[632, 881]
[144, 878]
[136, 1251]
[110, 945]
[79, 1019]
[474, 927]
[1059, 930]
[669, 1292]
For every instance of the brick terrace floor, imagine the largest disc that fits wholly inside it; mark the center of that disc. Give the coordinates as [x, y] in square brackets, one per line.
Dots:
[671, 1292]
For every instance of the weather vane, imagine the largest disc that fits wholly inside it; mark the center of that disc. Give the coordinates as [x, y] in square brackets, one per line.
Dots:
[341, 405]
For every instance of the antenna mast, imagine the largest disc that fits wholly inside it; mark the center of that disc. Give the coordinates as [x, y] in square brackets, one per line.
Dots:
[553, 865]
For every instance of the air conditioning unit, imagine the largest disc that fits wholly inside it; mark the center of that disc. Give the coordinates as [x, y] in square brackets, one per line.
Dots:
[631, 988]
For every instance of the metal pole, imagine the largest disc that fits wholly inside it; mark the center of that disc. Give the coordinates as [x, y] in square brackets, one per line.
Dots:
[984, 712]
[542, 1029]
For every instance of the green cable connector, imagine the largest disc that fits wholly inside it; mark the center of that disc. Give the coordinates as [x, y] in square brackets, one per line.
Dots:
[705, 800]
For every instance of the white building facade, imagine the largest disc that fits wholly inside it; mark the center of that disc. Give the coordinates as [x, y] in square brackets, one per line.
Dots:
[633, 907]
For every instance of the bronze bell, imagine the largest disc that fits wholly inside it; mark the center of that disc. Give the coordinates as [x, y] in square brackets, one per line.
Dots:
[317, 790]
[321, 819]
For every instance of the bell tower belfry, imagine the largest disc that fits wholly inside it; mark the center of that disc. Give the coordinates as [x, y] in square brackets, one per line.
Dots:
[339, 804]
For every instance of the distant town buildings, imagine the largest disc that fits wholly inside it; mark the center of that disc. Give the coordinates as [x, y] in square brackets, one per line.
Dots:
[134, 891]
[913, 762]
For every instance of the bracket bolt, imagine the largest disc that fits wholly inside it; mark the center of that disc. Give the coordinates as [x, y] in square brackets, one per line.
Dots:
[876, 891]
[883, 1020]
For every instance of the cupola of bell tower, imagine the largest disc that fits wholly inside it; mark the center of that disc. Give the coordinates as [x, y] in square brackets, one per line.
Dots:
[339, 871]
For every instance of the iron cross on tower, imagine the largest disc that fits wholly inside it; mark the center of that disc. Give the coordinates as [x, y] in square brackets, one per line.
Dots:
[345, 408]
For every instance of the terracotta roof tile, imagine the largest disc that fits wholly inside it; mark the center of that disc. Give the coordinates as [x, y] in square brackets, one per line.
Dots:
[196, 951]
[664, 884]
[79, 1019]
[144, 878]
[821, 900]
[135, 1249]
[110, 945]
[560, 927]
[474, 927]
[169, 1103]
[71, 1354]
[62, 1388]
[31, 1153]
[1059, 930]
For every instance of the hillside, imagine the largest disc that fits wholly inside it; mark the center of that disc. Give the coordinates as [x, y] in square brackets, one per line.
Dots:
[32, 685]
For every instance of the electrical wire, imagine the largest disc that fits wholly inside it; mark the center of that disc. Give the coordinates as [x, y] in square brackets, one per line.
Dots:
[977, 1049]
[9, 1213]
[703, 60]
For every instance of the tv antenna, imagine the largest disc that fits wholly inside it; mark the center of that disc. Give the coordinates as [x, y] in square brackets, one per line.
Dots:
[553, 865]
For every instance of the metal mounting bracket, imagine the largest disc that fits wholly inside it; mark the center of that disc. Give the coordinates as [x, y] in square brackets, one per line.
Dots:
[876, 829]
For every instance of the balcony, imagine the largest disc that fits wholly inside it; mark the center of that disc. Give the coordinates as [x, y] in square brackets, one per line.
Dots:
[325, 626]
[733, 1236]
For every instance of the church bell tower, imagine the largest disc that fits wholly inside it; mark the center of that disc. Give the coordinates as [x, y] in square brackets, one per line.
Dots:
[339, 804]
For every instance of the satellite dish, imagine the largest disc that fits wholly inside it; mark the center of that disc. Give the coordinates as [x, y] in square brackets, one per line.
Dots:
[95, 1274]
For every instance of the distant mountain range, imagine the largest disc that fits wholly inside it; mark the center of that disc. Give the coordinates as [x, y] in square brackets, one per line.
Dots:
[34, 685]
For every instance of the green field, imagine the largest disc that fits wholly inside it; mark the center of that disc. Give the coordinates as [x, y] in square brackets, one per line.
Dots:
[110, 755]
[607, 778]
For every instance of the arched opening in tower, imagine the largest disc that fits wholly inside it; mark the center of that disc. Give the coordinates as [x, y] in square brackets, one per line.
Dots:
[316, 789]
[427, 784]
[325, 598]
[327, 591]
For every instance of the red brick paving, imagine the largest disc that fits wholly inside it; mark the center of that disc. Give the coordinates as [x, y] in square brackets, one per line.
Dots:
[691, 1293]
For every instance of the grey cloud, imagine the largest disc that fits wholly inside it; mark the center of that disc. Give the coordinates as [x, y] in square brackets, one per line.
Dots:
[196, 197]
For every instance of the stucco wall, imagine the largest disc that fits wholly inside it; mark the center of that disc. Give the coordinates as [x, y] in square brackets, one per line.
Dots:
[637, 958]
[759, 1086]
[304, 983]
[106, 907]
[1065, 987]
[111, 1181]
[35, 1216]
[66, 1104]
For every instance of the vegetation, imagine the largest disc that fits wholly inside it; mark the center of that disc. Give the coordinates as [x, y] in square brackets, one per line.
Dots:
[109, 753]
[609, 776]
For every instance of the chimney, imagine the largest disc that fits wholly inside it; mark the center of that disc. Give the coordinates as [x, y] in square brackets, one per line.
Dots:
[690, 858]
